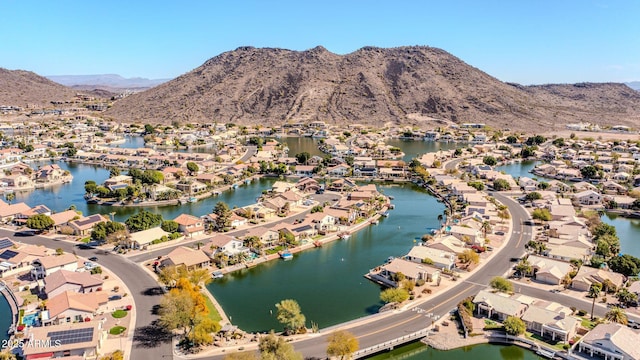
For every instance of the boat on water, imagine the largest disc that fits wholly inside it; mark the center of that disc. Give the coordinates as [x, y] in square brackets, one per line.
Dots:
[390, 197]
[385, 214]
[374, 222]
[317, 243]
[193, 199]
[392, 206]
[286, 255]
[344, 236]
[217, 275]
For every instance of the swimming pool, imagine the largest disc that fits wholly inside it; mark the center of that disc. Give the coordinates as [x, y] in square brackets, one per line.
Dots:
[30, 319]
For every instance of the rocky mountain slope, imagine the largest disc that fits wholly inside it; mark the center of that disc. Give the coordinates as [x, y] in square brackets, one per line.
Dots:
[405, 85]
[24, 88]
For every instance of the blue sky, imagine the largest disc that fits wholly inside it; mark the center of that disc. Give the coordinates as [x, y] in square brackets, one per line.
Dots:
[523, 41]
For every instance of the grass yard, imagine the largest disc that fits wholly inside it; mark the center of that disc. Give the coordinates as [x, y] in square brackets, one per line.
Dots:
[213, 313]
[118, 314]
[117, 330]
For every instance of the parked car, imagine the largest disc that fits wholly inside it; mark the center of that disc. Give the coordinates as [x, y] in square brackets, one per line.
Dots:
[93, 258]
[478, 249]
[499, 232]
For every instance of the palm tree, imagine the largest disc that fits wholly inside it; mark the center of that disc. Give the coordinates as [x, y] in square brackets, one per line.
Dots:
[594, 291]
[616, 315]
[440, 218]
[486, 226]
[10, 197]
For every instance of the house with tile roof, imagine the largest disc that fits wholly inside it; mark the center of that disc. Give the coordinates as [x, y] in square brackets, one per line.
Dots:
[187, 257]
[83, 340]
[64, 280]
[498, 305]
[553, 325]
[190, 225]
[70, 306]
[47, 265]
[588, 275]
[611, 341]
[84, 226]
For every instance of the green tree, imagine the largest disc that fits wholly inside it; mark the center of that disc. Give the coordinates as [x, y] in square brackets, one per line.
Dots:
[394, 295]
[501, 284]
[607, 245]
[273, 347]
[589, 172]
[101, 231]
[170, 226]
[149, 129]
[303, 157]
[10, 197]
[223, 219]
[116, 355]
[489, 160]
[113, 172]
[501, 185]
[594, 291]
[626, 297]
[602, 229]
[542, 214]
[514, 326]
[143, 220]
[627, 265]
[40, 222]
[90, 187]
[342, 344]
[290, 315]
[468, 256]
[524, 267]
[532, 196]
[192, 167]
[511, 139]
[527, 152]
[617, 315]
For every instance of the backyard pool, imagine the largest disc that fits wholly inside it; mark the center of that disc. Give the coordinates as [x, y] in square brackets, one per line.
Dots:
[30, 319]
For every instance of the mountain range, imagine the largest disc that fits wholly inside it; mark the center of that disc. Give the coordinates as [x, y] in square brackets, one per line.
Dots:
[110, 82]
[394, 86]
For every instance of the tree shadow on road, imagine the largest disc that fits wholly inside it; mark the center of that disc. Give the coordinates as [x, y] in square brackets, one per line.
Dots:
[151, 336]
[154, 291]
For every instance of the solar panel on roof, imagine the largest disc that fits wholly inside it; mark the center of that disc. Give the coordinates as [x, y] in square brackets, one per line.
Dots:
[8, 254]
[74, 336]
[5, 243]
[41, 210]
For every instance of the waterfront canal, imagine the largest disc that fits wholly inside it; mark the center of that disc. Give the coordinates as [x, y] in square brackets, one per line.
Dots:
[416, 148]
[519, 168]
[628, 231]
[419, 351]
[328, 283]
[61, 197]
[5, 318]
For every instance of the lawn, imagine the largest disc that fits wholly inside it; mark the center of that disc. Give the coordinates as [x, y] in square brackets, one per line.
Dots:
[119, 314]
[587, 323]
[213, 313]
[557, 346]
[117, 330]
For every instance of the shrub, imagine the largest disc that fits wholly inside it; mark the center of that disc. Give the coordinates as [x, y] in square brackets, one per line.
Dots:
[582, 313]
[118, 314]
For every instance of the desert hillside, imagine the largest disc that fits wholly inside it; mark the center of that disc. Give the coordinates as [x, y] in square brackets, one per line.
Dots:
[403, 85]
